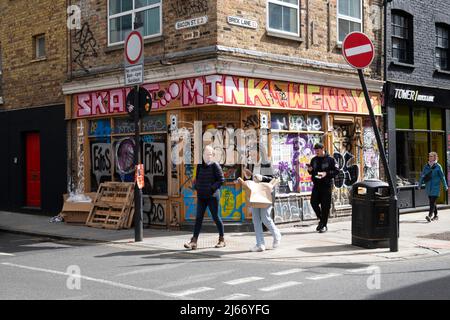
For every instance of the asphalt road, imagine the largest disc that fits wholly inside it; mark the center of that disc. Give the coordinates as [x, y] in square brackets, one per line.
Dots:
[39, 268]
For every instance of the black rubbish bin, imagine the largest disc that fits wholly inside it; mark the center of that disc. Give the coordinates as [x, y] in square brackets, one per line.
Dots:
[370, 214]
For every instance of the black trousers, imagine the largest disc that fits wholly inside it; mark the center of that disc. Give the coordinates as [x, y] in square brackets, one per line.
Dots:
[433, 207]
[213, 204]
[321, 203]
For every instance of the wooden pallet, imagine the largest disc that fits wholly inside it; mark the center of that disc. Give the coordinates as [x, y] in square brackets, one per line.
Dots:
[113, 206]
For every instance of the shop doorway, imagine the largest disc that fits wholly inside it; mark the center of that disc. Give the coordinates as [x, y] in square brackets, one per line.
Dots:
[33, 169]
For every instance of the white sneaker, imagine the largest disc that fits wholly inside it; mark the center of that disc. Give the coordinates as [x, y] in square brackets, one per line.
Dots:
[258, 248]
[276, 242]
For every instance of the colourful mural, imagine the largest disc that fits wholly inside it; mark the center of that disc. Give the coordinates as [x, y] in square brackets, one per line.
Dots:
[230, 91]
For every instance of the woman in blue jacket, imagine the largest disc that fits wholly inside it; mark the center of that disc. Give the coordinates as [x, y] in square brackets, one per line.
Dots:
[432, 175]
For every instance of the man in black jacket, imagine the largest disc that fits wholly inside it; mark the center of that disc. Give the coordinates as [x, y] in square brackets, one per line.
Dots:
[323, 169]
[208, 180]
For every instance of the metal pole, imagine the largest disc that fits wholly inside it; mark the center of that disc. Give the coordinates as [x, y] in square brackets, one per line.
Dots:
[393, 210]
[138, 225]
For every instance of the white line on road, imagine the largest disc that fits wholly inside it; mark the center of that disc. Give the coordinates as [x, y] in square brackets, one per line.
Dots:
[290, 271]
[6, 254]
[191, 291]
[102, 281]
[236, 296]
[358, 50]
[280, 286]
[243, 280]
[360, 270]
[325, 276]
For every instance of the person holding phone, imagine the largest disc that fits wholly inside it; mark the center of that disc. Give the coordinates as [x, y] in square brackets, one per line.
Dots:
[323, 169]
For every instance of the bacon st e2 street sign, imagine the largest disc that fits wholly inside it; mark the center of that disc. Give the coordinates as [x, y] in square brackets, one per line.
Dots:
[358, 50]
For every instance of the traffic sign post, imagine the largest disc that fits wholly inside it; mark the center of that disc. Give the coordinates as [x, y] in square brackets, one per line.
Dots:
[134, 75]
[358, 51]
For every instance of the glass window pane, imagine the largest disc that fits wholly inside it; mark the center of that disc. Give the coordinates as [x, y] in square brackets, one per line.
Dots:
[402, 118]
[437, 145]
[420, 118]
[118, 6]
[436, 119]
[291, 1]
[151, 21]
[275, 12]
[289, 20]
[144, 3]
[118, 27]
[344, 29]
[350, 8]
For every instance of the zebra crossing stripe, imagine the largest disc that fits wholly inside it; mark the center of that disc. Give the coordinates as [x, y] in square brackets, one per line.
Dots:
[6, 254]
[325, 276]
[243, 280]
[290, 271]
[236, 296]
[191, 291]
[280, 286]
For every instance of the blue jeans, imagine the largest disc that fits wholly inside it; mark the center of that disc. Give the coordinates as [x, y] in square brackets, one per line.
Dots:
[213, 204]
[260, 216]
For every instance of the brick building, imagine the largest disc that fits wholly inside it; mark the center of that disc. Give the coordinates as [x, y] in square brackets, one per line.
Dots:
[418, 84]
[33, 66]
[268, 65]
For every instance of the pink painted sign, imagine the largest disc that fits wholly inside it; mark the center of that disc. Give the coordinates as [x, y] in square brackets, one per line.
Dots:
[228, 90]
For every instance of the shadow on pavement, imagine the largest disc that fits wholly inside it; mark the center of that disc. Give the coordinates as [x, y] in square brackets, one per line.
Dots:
[337, 248]
[430, 290]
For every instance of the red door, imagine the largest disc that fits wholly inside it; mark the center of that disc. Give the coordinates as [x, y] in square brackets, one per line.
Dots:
[33, 154]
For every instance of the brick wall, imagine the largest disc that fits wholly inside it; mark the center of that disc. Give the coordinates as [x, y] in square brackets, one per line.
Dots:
[27, 82]
[425, 18]
[99, 58]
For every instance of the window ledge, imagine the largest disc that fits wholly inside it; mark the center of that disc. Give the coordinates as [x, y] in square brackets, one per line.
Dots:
[39, 59]
[442, 71]
[121, 46]
[402, 64]
[284, 36]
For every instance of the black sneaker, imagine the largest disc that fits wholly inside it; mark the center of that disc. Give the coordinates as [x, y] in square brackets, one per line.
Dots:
[428, 218]
[323, 229]
[319, 226]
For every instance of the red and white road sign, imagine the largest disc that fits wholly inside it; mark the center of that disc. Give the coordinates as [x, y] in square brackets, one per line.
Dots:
[358, 50]
[133, 47]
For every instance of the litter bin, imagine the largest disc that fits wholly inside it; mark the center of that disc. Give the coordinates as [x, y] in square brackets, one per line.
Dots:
[370, 201]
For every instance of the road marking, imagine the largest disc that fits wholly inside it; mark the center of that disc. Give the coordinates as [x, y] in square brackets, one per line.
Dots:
[290, 271]
[191, 291]
[6, 254]
[236, 296]
[325, 276]
[360, 270]
[280, 286]
[358, 50]
[243, 280]
[102, 281]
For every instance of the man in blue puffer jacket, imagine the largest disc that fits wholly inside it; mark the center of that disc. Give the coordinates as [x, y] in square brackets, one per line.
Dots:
[433, 174]
[208, 180]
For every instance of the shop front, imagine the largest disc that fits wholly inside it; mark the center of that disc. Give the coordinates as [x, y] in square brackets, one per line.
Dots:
[247, 120]
[420, 122]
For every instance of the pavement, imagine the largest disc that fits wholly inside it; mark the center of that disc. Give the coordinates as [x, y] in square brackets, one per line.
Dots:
[300, 242]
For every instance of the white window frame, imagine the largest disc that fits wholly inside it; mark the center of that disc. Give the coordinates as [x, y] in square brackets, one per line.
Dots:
[133, 18]
[284, 4]
[348, 18]
[36, 45]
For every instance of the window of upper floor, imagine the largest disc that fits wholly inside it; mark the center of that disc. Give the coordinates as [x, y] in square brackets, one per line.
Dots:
[442, 47]
[122, 14]
[39, 46]
[283, 17]
[349, 16]
[402, 37]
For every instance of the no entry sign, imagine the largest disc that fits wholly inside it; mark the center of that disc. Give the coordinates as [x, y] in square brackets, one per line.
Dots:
[357, 50]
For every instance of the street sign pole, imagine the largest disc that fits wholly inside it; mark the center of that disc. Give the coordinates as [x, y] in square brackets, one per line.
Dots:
[358, 51]
[393, 211]
[138, 223]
